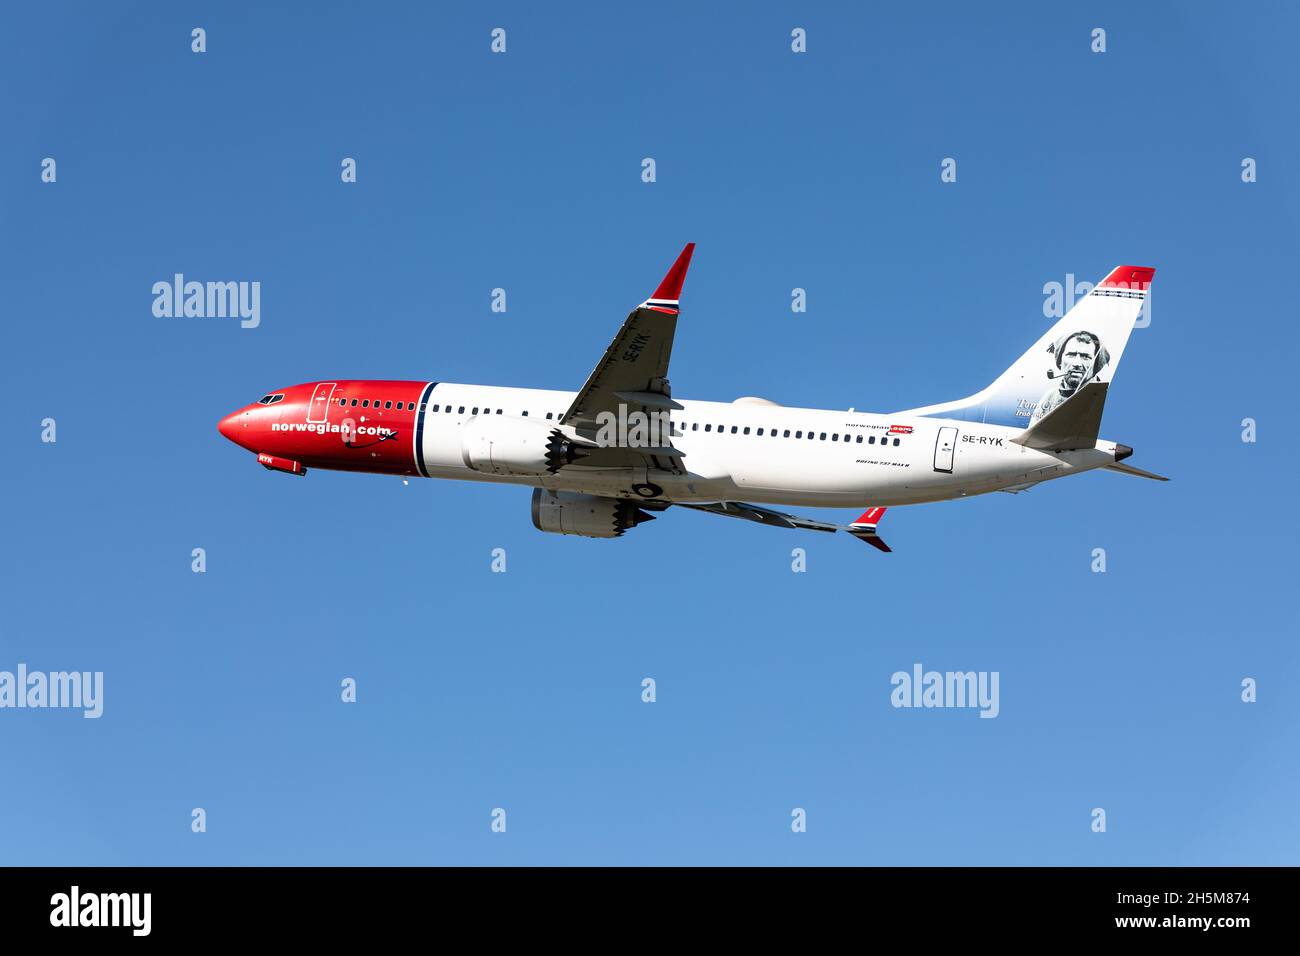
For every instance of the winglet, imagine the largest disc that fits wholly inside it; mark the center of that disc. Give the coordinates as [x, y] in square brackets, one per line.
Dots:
[669, 292]
[869, 518]
[864, 529]
[1129, 277]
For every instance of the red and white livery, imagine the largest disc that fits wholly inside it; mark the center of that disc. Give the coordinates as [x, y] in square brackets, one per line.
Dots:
[622, 448]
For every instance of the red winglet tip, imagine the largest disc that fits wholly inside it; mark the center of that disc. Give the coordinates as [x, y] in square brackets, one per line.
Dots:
[871, 516]
[670, 290]
[1129, 277]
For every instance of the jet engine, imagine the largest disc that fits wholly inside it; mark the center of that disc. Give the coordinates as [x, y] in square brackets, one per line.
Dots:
[592, 516]
[506, 445]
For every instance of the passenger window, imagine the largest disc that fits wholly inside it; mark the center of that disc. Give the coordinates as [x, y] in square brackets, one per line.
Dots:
[498, 411]
[797, 434]
[695, 427]
[548, 416]
[354, 403]
[435, 408]
[461, 410]
[366, 403]
[733, 429]
[747, 431]
[524, 413]
[386, 404]
[871, 440]
[835, 437]
[823, 436]
[859, 439]
[896, 442]
[786, 434]
[343, 402]
[760, 432]
[708, 428]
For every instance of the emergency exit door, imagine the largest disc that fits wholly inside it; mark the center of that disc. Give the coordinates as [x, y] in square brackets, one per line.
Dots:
[944, 446]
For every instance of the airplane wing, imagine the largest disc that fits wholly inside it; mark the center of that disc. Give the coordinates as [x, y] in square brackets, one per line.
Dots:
[864, 528]
[632, 376]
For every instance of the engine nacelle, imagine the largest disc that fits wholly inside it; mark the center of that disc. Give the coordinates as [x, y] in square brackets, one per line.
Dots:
[592, 516]
[506, 445]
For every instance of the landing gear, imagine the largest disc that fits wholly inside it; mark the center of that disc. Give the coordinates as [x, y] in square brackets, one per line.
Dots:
[647, 490]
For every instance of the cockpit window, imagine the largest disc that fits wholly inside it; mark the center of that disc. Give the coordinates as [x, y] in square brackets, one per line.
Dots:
[270, 399]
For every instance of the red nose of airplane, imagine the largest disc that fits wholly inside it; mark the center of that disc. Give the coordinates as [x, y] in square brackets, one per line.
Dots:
[234, 425]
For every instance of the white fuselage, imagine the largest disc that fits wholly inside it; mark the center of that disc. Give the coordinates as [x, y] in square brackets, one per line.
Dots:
[756, 451]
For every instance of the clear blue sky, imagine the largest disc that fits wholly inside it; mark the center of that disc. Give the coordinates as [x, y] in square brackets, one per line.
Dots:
[522, 690]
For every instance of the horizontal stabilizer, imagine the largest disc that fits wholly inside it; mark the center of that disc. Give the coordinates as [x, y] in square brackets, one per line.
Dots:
[1135, 472]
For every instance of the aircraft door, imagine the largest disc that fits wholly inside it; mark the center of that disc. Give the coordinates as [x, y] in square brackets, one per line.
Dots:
[944, 446]
[319, 409]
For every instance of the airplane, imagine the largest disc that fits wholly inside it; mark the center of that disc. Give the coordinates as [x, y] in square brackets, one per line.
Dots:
[621, 449]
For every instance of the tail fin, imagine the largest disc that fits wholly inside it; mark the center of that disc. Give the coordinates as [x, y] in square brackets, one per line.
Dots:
[1080, 351]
